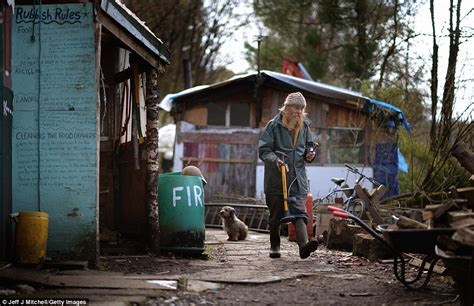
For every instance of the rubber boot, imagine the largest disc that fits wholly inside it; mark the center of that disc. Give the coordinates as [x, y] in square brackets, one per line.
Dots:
[306, 247]
[275, 242]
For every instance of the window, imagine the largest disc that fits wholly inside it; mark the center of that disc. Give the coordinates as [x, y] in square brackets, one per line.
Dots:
[239, 114]
[340, 145]
[234, 114]
[346, 146]
[216, 115]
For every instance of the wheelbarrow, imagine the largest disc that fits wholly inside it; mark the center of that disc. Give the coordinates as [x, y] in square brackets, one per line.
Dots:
[399, 241]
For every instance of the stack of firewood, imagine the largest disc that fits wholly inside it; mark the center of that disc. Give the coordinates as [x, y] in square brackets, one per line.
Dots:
[456, 212]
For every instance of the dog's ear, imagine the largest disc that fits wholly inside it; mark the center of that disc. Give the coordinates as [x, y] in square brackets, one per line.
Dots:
[232, 211]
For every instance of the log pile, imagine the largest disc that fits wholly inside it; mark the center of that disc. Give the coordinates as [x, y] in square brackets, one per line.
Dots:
[455, 212]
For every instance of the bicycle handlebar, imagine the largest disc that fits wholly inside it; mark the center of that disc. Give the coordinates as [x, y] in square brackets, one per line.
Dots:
[355, 171]
[350, 167]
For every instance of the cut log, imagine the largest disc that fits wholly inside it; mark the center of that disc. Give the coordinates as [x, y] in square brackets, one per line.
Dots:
[341, 234]
[407, 223]
[444, 208]
[427, 215]
[454, 216]
[416, 262]
[464, 156]
[428, 212]
[467, 193]
[464, 236]
[433, 207]
[367, 246]
[466, 222]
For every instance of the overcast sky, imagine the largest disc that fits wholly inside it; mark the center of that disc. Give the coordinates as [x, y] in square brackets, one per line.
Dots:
[465, 66]
[422, 45]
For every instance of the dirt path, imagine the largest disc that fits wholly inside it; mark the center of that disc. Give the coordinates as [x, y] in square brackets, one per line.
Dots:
[246, 275]
[231, 273]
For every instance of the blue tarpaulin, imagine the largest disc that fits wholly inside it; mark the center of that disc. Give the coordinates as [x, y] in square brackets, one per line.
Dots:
[396, 113]
[402, 164]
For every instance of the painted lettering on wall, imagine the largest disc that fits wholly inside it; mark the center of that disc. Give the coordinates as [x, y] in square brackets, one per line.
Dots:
[54, 130]
[187, 195]
[57, 15]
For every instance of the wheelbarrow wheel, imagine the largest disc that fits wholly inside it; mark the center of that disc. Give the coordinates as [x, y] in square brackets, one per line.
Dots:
[357, 208]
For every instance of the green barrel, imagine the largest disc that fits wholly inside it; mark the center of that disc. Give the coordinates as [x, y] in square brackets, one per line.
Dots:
[181, 213]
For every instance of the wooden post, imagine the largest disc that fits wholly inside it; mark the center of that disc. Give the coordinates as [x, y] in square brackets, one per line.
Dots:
[152, 169]
[135, 85]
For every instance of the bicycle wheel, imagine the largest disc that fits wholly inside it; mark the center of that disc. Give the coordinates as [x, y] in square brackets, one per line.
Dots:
[357, 207]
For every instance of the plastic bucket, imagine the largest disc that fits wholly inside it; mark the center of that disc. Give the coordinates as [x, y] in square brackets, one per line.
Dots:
[31, 237]
[181, 213]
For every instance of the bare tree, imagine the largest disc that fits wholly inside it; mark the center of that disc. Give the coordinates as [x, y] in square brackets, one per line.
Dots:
[434, 82]
[449, 132]
[450, 81]
[391, 49]
[192, 30]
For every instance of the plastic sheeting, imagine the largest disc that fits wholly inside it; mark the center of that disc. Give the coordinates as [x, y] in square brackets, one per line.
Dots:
[386, 167]
[402, 164]
[393, 113]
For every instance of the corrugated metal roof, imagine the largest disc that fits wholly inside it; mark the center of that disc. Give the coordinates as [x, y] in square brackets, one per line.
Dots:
[310, 86]
[136, 27]
[299, 84]
[316, 87]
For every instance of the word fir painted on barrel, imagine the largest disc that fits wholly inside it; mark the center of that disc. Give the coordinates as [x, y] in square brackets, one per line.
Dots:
[197, 191]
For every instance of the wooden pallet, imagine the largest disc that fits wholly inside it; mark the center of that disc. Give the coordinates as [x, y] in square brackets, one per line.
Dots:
[255, 216]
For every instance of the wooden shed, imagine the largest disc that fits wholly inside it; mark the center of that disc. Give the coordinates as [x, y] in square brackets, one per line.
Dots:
[76, 70]
[218, 128]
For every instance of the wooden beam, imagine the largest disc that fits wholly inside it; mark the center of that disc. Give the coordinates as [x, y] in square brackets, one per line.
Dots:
[123, 36]
[361, 193]
[218, 160]
[126, 74]
[230, 138]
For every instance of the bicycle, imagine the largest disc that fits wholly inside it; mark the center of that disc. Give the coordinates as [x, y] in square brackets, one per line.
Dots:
[352, 202]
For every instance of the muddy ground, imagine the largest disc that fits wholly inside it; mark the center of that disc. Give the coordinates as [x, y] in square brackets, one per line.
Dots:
[247, 276]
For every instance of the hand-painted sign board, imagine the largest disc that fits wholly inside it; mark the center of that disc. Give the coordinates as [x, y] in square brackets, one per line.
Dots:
[54, 164]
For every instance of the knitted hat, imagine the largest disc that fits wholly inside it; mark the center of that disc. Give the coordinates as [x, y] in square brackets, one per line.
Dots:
[295, 98]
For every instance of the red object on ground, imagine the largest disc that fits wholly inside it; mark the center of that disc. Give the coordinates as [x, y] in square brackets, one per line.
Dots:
[309, 226]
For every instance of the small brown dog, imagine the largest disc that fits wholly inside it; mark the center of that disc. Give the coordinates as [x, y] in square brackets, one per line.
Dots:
[234, 227]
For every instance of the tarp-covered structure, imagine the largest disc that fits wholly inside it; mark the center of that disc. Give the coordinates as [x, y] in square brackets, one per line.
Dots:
[333, 110]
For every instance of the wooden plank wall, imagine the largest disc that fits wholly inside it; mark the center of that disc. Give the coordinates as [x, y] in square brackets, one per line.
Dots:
[272, 101]
[345, 117]
[54, 167]
[227, 161]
